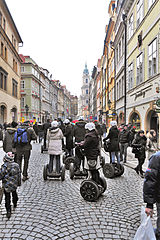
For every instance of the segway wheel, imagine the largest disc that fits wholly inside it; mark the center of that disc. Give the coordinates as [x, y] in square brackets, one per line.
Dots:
[69, 160]
[103, 184]
[89, 190]
[119, 170]
[71, 170]
[45, 172]
[41, 148]
[108, 170]
[63, 173]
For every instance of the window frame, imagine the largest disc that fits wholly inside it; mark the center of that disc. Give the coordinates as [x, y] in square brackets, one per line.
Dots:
[151, 55]
[14, 88]
[139, 76]
[139, 12]
[150, 4]
[131, 26]
[130, 76]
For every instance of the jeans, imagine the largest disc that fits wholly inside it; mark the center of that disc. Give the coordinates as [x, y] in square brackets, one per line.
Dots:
[117, 155]
[50, 165]
[158, 221]
[8, 199]
[78, 157]
[26, 155]
[140, 164]
[123, 151]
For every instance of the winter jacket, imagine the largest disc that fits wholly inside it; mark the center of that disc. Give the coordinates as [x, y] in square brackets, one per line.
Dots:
[113, 135]
[25, 147]
[8, 139]
[10, 175]
[1, 134]
[91, 145]
[140, 144]
[99, 129]
[35, 127]
[54, 137]
[46, 126]
[69, 136]
[124, 136]
[151, 187]
[79, 131]
[152, 146]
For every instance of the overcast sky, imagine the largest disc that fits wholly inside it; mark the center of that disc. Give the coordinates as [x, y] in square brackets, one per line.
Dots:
[61, 35]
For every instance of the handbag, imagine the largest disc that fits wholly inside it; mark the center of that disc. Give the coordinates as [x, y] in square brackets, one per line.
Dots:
[1, 194]
[107, 146]
[145, 230]
[134, 150]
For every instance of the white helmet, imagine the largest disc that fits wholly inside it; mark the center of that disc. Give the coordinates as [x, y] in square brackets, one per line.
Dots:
[66, 121]
[90, 126]
[113, 123]
[81, 118]
[54, 124]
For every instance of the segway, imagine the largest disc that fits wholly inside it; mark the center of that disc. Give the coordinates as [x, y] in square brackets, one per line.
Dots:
[90, 189]
[54, 174]
[111, 170]
[43, 149]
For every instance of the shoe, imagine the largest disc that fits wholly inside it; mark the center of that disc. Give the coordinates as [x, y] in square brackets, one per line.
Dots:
[8, 214]
[136, 170]
[25, 178]
[142, 175]
[14, 205]
[124, 161]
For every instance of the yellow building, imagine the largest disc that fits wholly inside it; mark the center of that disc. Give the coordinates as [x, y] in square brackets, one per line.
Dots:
[9, 67]
[143, 62]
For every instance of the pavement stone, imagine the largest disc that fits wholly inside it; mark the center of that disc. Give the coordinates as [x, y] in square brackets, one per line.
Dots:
[55, 210]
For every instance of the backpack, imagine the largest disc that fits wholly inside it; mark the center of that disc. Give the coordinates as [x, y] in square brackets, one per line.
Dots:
[21, 136]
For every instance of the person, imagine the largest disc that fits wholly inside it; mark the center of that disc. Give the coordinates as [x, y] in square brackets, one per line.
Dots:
[45, 128]
[132, 134]
[124, 141]
[152, 145]
[99, 130]
[40, 132]
[113, 136]
[35, 127]
[104, 129]
[22, 143]
[91, 147]
[79, 134]
[54, 137]
[10, 175]
[69, 136]
[139, 143]
[1, 133]
[151, 188]
[8, 138]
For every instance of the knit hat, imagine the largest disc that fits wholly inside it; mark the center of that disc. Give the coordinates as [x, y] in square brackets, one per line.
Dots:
[9, 157]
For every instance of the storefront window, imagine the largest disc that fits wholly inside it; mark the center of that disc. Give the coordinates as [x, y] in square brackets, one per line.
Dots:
[135, 120]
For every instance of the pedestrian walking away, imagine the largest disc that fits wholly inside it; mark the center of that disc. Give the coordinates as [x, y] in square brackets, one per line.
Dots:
[45, 128]
[69, 136]
[124, 142]
[151, 188]
[8, 138]
[22, 143]
[11, 178]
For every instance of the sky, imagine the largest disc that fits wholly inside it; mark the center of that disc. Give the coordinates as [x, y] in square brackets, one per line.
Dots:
[62, 35]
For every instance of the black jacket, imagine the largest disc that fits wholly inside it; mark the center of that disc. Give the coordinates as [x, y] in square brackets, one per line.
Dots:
[91, 145]
[140, 143]
[151, 187]
[69, 136]
[114, 139]
[46, 126]
[79, 131]
[124, 136]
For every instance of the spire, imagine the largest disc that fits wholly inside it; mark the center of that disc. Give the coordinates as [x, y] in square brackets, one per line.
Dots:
[86, 70]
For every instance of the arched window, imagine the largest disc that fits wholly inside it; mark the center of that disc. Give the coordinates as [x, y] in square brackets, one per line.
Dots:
[135, 120]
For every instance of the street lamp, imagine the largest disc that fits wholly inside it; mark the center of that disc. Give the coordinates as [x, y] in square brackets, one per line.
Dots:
[27, 109]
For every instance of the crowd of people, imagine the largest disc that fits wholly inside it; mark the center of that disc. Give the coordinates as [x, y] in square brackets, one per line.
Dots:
[58, 136]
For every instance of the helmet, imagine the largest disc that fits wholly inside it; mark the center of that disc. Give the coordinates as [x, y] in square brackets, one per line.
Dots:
[113, 123]
[9, 157]
[81, 118]
[66, 121]
[54, 124]
[90, 126]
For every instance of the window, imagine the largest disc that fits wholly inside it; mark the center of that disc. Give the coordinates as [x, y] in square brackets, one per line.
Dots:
[86, 80]
[86, 91]
[22, 102]
[14, 65]
[123, 45]
[15, 43]
[152, 64]
[2, 46]
[5, 82]
[117, 54]
[117, 91]
[130, 76]
[130, 27]
[120, 88]
[22, 69]
[12, 39]
[0, 18]
[3, 79]
[139, 68]
[139, 12]
[5, 54]
[22, 84]
[150, 2]
[120, 49]
[4, 24]
[14, 87]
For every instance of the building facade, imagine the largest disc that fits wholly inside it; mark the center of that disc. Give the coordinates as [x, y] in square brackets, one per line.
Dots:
[9, 67]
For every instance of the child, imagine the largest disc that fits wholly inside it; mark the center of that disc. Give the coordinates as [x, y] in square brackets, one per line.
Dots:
[11, 178]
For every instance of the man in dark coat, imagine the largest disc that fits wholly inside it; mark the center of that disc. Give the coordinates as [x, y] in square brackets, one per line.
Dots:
[79, 130]
[69, 136]
[24, 149]
[45, 128]
[8, 138]
[114, 141]
[151, 188]
[124, 141]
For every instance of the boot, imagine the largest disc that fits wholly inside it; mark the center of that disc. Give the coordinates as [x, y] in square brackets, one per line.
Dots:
[8, 214]
[136, 169]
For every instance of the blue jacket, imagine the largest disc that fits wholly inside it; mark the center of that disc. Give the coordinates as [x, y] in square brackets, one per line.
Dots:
[151, 187]
[10, 175]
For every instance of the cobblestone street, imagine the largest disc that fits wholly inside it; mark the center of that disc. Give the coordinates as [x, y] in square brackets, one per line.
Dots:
[55, 210]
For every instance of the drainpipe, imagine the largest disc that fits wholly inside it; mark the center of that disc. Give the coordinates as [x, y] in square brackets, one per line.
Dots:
[124, 17]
